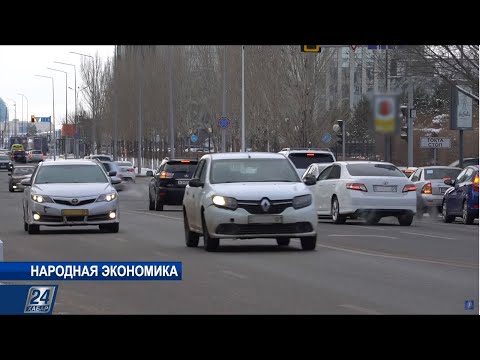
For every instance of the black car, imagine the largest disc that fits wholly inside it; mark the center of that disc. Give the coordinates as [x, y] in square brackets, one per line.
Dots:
[5, 162]
[19, 156]
[168, 184]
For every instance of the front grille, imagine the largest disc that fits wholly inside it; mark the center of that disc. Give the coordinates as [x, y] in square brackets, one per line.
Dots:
[75, 218]
[254, 207]
[51, 218]
[252, 229]
[67, 202]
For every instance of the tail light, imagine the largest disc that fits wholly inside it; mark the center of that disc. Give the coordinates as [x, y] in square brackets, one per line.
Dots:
[30, 156]
[310, 155]
[166, 175]
[409, 187]
[427, 188]
[185, 161]
[357, 186]
[130, 170]
[475, 183]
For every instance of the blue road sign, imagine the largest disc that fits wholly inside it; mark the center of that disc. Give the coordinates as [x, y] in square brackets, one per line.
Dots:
[326, 138]
[223, 122]
[194, 138]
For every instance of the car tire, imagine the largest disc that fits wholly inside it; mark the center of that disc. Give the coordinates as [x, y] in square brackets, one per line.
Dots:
[151, 204]
[445, 217]
[283, 241]
[33, 229]
[191, 238]
[210, 244]
[335, 212]
[405, 219]
[466, 217]
[158, 204]
[25, 226]
[11, 189]
[308, 242]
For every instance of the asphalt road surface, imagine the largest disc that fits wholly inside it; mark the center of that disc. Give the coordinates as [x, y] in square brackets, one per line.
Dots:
[426, 268]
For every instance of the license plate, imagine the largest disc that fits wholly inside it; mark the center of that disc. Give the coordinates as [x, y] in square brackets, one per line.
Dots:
[443, 189]
[76, 212]
[265, 219]
[183, 182]
[378, 188]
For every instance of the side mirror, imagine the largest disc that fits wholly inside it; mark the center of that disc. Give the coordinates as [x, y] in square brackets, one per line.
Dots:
[449, 182]
[310, 180]
[149, 173]
[26, 182]
[195, 183]
[112, 173]
[115, 180]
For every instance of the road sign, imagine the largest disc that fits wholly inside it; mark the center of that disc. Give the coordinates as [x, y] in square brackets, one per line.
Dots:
[326, 138]
[386, 117]
[194, 138]
[223, 122]
[435, 142]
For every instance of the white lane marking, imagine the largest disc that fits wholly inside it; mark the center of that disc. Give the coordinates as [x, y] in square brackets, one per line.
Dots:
[380, 236]
[157, 215]
[161, 254]
[361, 252]
[234, 274]
[361, 309]
[121, 239]
[371, 227]
[434, 236]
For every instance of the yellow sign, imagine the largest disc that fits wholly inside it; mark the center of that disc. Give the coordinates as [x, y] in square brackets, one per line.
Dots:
[311, 48]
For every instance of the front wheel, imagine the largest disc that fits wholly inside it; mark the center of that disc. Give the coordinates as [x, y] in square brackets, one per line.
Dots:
[308, 242]
[151, 203]
[405, 219]
[209, 243]
[445, 217]
[191, 238]
[158, 204]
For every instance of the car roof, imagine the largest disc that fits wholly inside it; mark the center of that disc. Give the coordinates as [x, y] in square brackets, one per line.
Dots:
[308, 150]
[365, 162]
[70, 162]
[244, 155]
[439, 167]
[181, 159]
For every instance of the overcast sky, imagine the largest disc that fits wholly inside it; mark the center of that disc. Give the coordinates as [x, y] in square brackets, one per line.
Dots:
[19, 65]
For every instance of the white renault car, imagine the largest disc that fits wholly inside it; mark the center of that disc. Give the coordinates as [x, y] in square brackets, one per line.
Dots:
[368, 189]
[248, 195]
[70, 193]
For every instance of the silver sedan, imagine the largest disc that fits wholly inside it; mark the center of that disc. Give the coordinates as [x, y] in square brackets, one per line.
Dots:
[70, 193]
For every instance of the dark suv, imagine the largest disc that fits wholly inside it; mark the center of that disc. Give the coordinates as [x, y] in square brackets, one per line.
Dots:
[19, 156]
[167, 186]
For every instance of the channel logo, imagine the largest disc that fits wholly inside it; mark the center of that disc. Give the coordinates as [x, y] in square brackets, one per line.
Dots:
[40, 300]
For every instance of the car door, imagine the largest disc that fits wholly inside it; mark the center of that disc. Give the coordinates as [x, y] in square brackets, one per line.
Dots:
[193, 197]
[323, 208]
[329, 185]
[463, 188]
[454, 198]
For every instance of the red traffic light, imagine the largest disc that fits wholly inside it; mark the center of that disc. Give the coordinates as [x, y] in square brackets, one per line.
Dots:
[33, 118]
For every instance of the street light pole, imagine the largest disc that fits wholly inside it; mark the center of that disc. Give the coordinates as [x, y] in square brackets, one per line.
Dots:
[66, 103]
[94, 133]
[243, 98]
[14, 132]
[53, 116]
[75, 141]
[23, 96]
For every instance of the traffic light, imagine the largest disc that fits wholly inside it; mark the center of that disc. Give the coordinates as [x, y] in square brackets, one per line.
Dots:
[404, 127]
[33, 119]
[339, 131]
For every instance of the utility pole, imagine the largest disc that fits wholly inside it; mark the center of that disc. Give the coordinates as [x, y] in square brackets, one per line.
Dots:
[387, 89]
[224, 107]
[140, 98]
[410, 122]
[170, 98]
[243, 98]
[115, 112]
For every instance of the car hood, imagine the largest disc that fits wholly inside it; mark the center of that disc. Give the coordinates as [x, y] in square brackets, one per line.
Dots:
[21, 177]
[259, 190]
[69, 190]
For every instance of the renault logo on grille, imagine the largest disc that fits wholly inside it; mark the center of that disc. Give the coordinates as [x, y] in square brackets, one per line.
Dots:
[265, 205]
[74, 201]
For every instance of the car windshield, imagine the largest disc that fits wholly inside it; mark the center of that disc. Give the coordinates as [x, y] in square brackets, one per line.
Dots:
[304, 160]
[374, 170]
[23, 171]
[252, 170]
[4, 157]
[70, 174]
[179, 167]
[441, 173]
[125, 164]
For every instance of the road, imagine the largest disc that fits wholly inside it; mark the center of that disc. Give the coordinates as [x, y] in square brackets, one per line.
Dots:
[427, 268]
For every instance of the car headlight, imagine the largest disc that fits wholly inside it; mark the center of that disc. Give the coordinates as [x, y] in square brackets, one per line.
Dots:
[224, 202]
[107, 197]
[302, 201]
[41, 199]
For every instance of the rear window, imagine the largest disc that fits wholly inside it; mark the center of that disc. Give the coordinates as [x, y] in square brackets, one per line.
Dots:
[374, 170]
[432, 174]
[36, 152]
[125, 163]
[304, 160]
[181, 167]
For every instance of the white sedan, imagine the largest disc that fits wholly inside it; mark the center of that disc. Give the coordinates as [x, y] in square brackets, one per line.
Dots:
[368, 189]
[248, 195]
